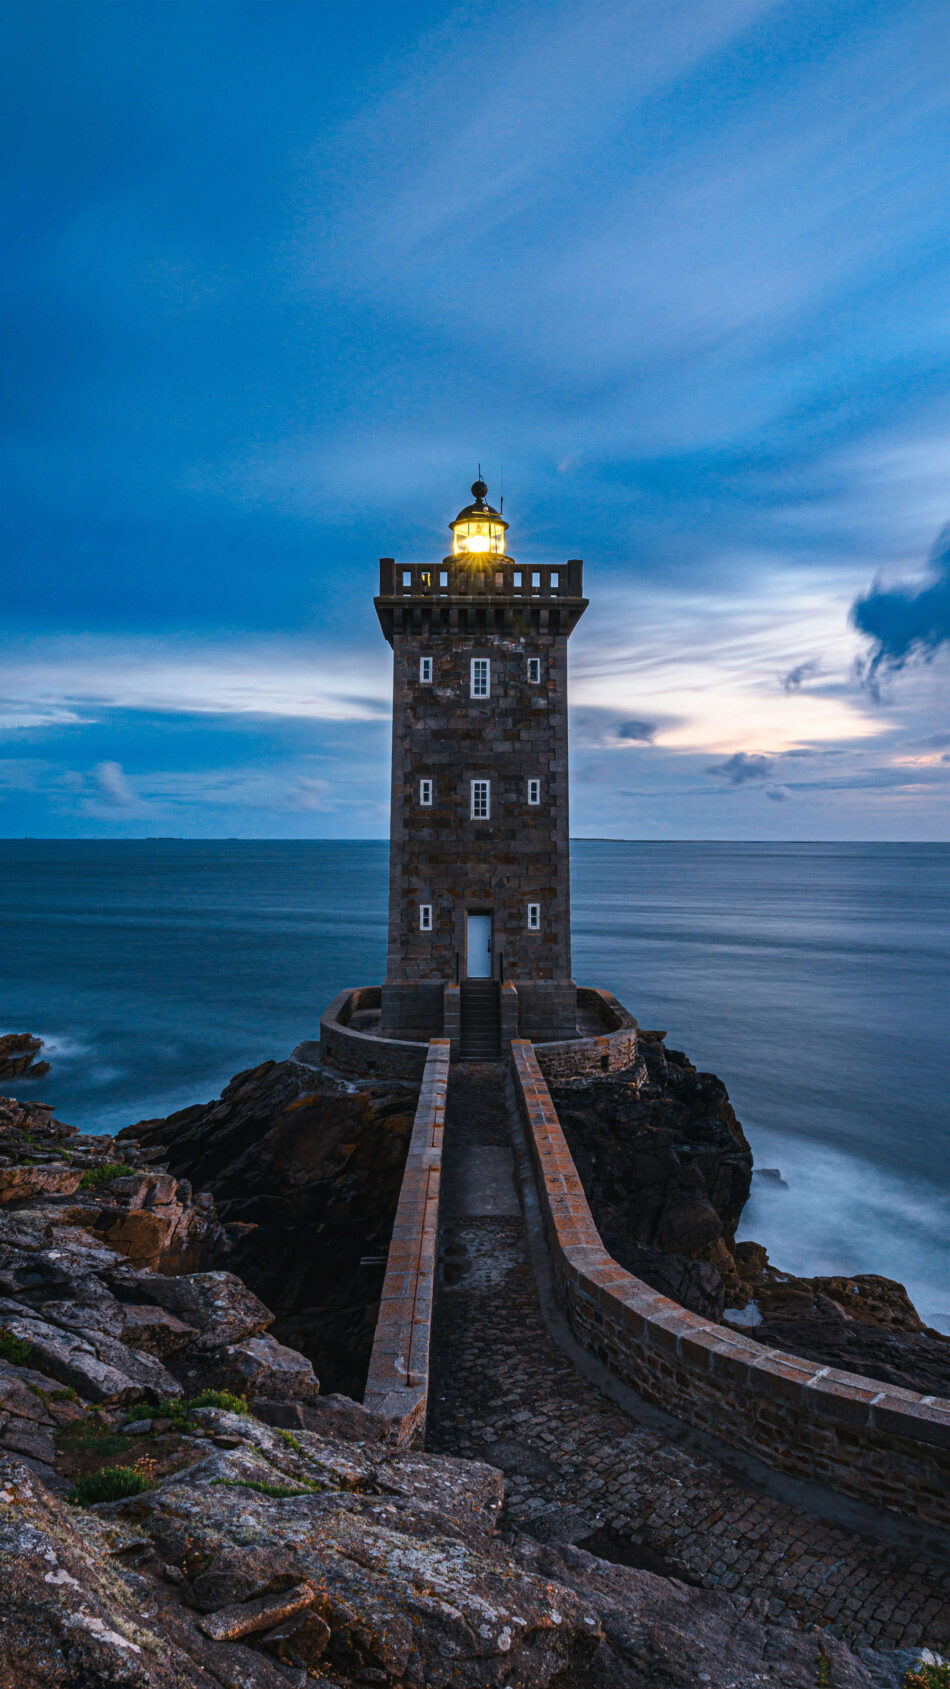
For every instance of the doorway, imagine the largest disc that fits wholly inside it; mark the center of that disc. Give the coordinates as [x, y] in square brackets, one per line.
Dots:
[478, 957]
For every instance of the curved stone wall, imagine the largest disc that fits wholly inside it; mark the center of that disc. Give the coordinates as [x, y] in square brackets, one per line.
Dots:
[606, 1051]
[883, 1445]
[364, 1054]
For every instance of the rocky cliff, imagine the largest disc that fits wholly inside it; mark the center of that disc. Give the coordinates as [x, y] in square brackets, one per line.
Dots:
[181, 1506]
[305, 1171]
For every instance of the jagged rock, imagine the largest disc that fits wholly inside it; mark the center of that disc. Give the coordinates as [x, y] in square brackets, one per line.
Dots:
[218, 1305]
[98, 1366]
[263, 1368]
[665, 1165]
[21, 1184]
[18, 1053]
[662, 1634]
[305, 1171]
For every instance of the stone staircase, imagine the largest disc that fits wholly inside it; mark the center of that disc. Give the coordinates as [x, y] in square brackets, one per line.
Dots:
[481, 1020]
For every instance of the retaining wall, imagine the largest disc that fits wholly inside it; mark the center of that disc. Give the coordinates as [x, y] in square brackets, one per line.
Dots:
[397, 1384]
[880, 1444]
[365, 1054]
[608, 1051]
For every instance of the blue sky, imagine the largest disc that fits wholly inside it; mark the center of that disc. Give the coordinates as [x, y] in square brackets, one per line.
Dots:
[279, 276]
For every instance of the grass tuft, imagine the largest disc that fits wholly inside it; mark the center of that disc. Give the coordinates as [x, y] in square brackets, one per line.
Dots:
[110, 1483]
[103, 1175]
[301, 1486]
[15, 1349]
[223, 1399]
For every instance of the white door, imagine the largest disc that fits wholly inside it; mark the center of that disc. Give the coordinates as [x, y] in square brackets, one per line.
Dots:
[479, 947]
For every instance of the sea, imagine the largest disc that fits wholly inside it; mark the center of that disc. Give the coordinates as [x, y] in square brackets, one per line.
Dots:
[814, 979]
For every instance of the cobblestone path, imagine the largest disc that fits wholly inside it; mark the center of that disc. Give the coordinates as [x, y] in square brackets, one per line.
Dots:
[578, 1469]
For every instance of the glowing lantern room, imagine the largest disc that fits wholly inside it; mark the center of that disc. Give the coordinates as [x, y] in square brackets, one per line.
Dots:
[478, 527]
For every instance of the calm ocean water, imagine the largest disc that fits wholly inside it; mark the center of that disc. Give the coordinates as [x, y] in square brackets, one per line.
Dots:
[814, 979]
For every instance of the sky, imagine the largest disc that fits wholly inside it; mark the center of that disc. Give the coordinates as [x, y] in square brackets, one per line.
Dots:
[279, 277]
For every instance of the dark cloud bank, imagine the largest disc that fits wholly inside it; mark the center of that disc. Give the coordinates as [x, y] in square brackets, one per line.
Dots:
[906, 621]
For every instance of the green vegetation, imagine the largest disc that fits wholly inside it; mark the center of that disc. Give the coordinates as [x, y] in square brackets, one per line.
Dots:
[223, 1399]
[15, 1349]
[289, 1438]
[177, 1410]
[301, 1486]
[110, 1483]
[103, 1175]
[65, 1393]
[927, 1677]
[823, 1678]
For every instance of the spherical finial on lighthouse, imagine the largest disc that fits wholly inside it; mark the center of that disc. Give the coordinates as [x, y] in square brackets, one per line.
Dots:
[479, 527]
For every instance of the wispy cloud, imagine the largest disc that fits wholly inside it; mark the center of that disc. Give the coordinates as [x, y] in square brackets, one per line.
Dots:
[64, 682]
[744, 766]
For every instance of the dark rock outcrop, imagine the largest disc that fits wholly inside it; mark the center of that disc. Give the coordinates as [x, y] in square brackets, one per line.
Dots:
[666, 1168]
[305, 1170]
[18, 1053]
[864, 1324]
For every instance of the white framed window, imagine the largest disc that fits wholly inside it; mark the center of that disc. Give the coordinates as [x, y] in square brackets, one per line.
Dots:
[425, 793]
[555, 581]
[536, 579]
[425, 670]
[534, 917]
[406, 579]
[425, 917]
[481, 800]
[534, 791]
[481, 677]
[534, 671]
[516, 579]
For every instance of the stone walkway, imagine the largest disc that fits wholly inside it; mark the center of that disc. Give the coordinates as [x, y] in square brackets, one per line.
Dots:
[578, 1469]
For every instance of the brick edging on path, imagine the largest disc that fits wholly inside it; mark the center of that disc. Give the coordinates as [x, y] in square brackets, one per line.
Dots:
[876, 1442]
[397, 1383]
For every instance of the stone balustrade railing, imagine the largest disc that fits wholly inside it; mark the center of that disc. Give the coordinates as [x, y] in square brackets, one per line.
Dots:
[882, 1445]
[397, 1384]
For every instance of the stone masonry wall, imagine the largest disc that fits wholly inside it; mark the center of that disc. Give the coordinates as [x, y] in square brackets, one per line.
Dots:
[439, 855]
[397, 1384]
[883, 1445]
[607, 1052]
[363, 1054]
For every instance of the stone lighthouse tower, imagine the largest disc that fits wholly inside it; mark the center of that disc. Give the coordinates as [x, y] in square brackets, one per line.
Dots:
[479, 887]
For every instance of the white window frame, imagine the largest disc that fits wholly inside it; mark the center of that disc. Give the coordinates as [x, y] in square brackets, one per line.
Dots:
[534, 790]
[481, 795]
[425, 671]
[534, 917]
[425, 917]
[534, 671]
[480, 678]
[425, 793]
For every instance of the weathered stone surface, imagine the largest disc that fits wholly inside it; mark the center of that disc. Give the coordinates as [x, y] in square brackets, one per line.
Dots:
[666, 1169]
[18, 1053]
[262, 1367]
[305, 1172]
[20, 1184]
[661, 1634]
[865, 1324]
[218, 1305]
[98, 1366]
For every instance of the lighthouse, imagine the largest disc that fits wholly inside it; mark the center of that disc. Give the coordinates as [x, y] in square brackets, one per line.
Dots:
[479, 879]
